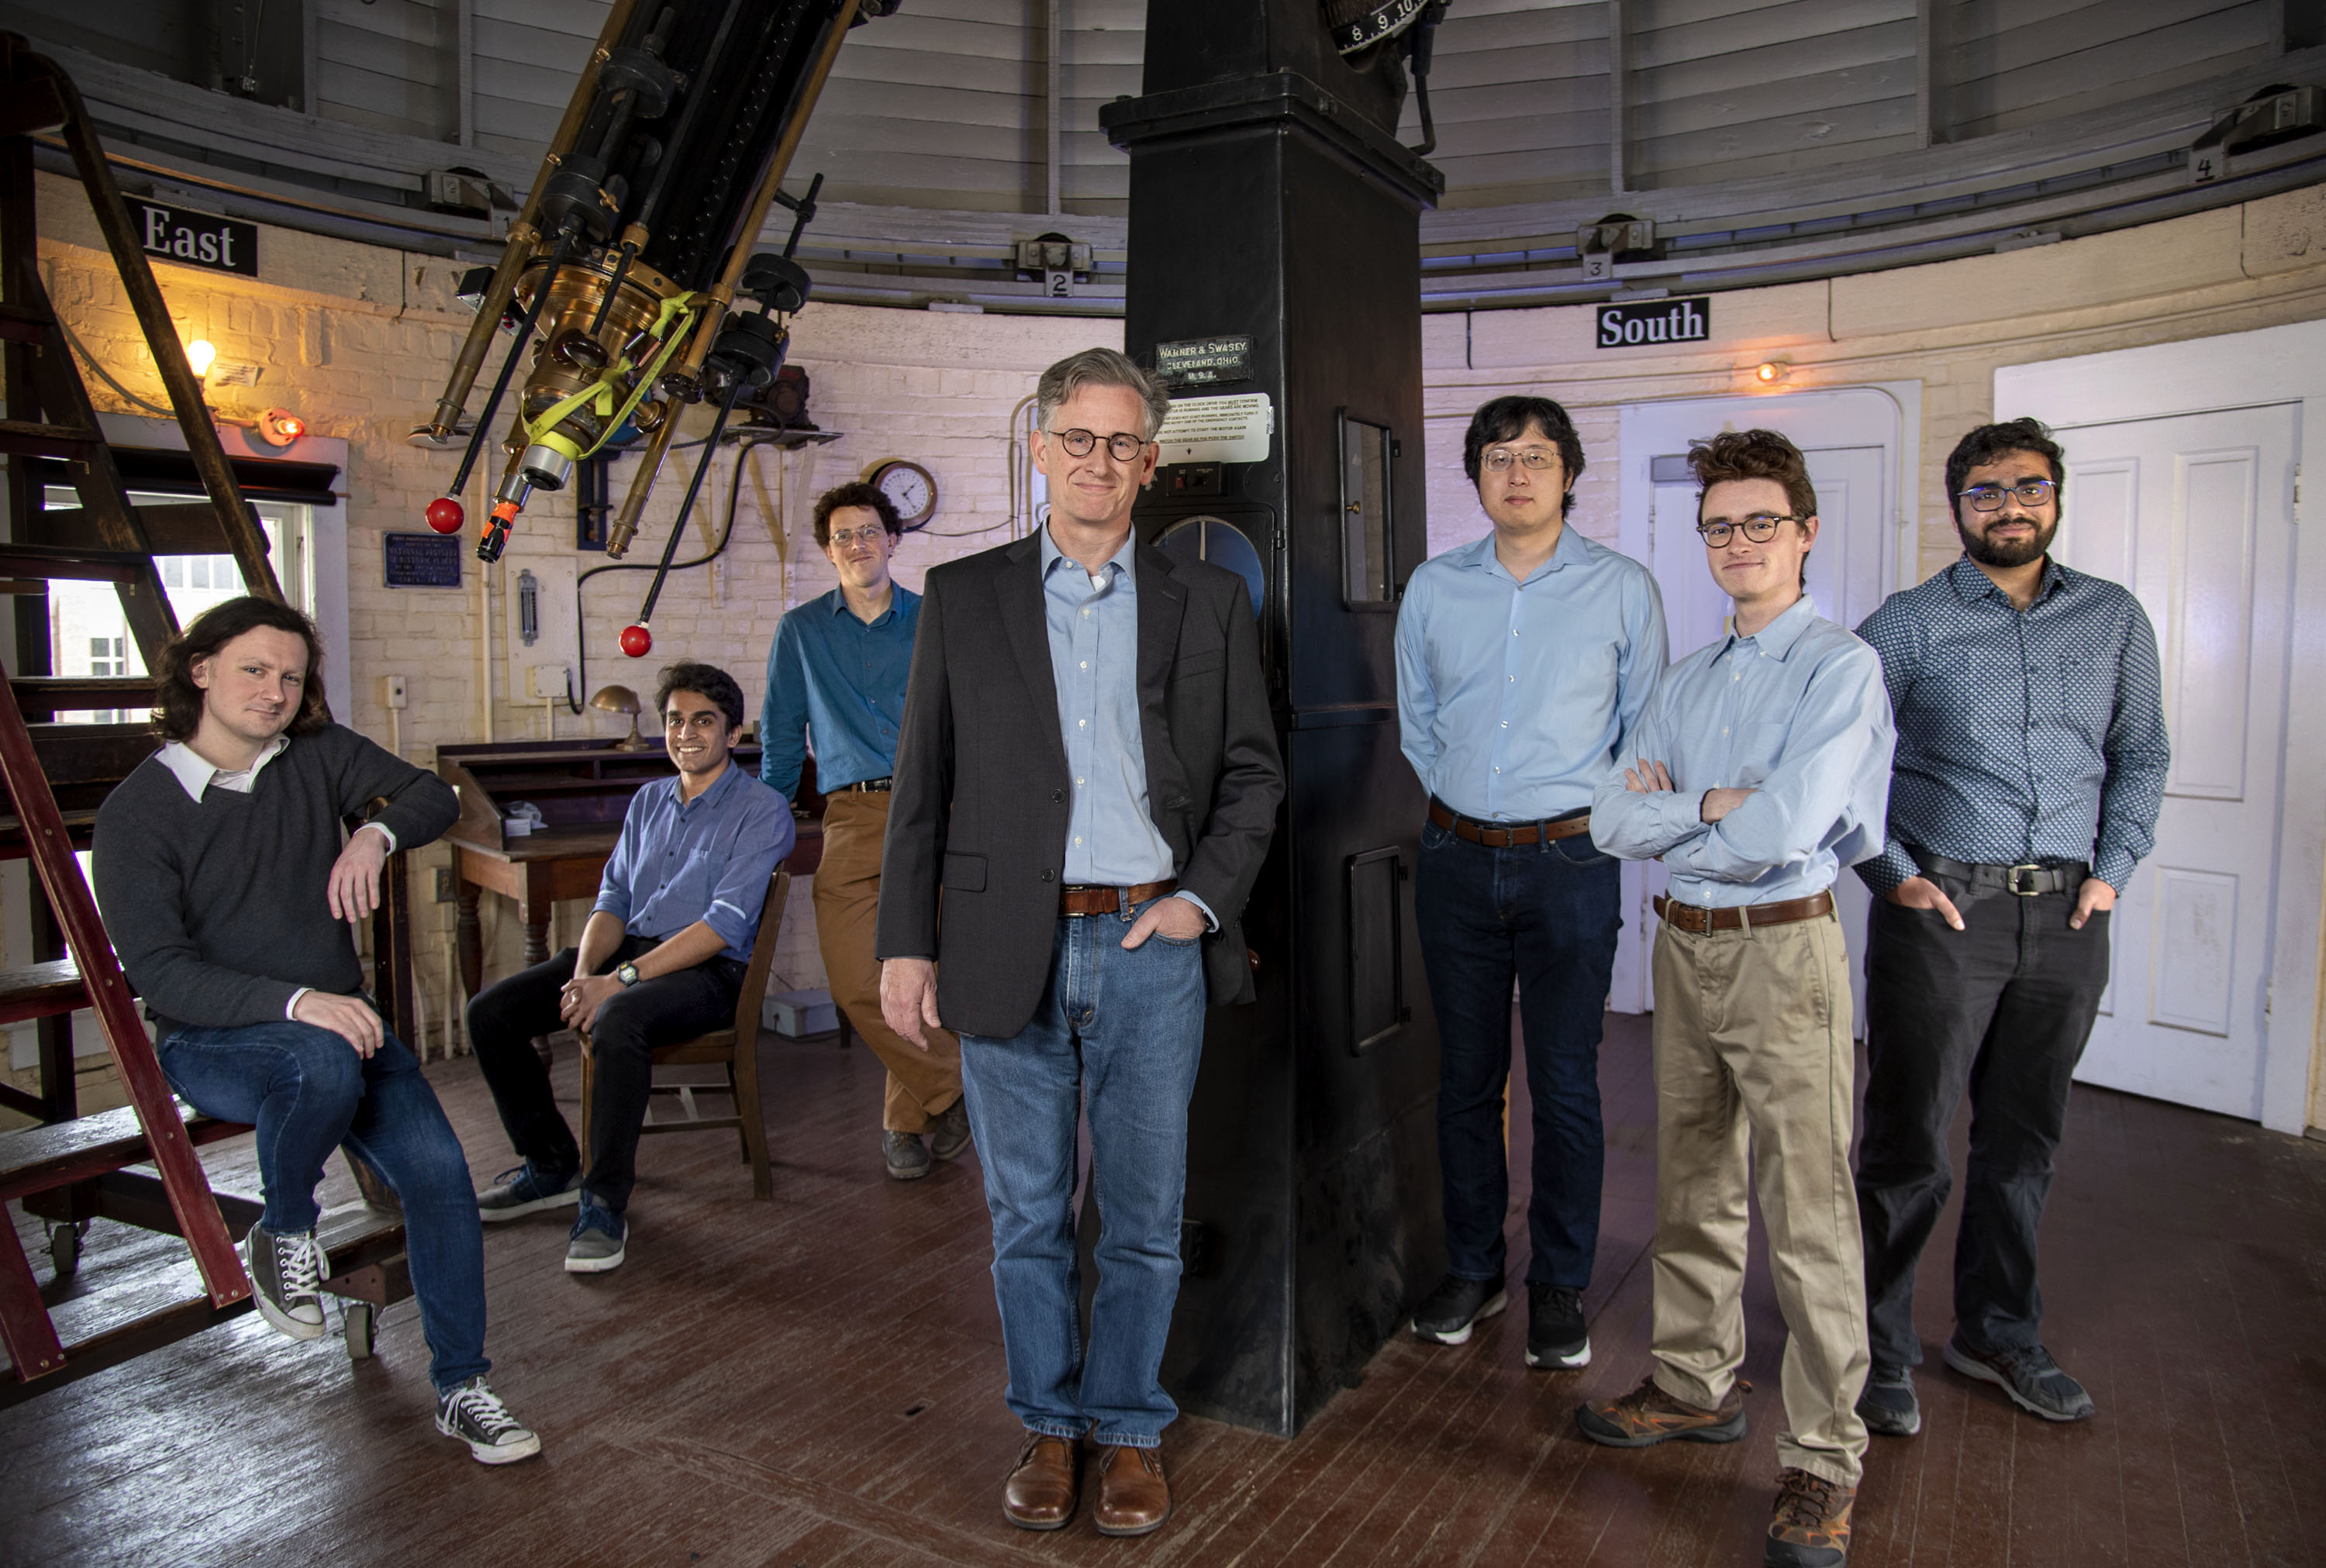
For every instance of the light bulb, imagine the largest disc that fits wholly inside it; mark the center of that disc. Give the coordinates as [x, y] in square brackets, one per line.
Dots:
[1770, 370]
[199, 354]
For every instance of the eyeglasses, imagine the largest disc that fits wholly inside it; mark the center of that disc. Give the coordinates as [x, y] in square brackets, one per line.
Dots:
[1760, 528]
[1124, 446]
[2030, 492]
[1535, 458]
[844, 537]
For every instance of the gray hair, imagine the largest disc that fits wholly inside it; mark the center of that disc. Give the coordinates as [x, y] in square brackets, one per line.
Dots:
[1100, 367]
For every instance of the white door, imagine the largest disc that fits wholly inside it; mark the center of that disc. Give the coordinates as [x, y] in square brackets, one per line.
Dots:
[2195, 514]
[1845, 584]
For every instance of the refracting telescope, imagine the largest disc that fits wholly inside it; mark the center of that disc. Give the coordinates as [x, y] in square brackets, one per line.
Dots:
[624, 270]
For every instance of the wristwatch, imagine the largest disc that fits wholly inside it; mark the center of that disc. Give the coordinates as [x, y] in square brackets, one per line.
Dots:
[627, 974]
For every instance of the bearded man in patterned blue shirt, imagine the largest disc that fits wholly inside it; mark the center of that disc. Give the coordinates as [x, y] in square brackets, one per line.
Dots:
[2030, 767]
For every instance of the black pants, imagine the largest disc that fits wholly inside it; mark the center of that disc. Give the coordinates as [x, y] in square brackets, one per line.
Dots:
[2004, 1008]
[504, 1018]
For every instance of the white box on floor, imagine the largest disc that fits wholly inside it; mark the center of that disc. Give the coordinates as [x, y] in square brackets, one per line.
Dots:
[798, 1015]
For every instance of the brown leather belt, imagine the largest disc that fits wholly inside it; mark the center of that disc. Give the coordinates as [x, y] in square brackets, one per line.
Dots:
[1080, 900]
[1504, 835]
[1700, 921]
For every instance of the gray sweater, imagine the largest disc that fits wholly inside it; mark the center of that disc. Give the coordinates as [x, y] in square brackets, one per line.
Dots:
[216, 907]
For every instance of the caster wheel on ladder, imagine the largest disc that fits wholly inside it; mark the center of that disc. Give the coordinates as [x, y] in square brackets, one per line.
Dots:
[362, 1327]
[64, 1246]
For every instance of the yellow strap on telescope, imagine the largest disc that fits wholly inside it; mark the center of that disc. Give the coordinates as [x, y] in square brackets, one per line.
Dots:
[677, 313]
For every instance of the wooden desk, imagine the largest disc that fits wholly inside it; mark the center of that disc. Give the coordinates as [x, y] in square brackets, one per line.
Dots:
[536, 871]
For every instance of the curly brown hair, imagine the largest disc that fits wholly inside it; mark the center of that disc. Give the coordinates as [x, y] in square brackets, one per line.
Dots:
[1753, 454]
[178, 702]
[855, 493]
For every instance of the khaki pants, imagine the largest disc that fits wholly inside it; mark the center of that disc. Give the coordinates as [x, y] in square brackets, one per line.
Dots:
[1753, 1059]
[921, 1083]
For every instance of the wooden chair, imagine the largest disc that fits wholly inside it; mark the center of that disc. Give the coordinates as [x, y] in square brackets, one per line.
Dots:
[735, 1048]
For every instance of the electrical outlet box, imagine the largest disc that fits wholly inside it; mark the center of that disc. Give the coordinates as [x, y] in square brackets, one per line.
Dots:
[446, 891]
[549, 680]
[392, 692]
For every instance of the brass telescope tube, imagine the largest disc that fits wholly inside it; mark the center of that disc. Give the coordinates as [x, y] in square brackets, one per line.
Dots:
[625, 526]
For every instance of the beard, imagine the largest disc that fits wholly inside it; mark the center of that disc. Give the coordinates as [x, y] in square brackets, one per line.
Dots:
[2007, 554]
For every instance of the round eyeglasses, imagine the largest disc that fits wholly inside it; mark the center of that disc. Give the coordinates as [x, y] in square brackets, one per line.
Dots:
[2028, 493]
[871, 534]
[1760, 528]
[1535, 458]
[1124, 446]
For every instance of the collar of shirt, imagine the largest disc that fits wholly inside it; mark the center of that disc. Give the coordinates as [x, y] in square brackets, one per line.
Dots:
[1480, 553]
[1971, 583]
[721, 788]
[196, 774]
[838, 601]
[1777, 638]
[1119, 568]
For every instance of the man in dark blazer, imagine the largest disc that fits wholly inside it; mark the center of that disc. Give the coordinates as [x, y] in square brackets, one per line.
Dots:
[1085, 785]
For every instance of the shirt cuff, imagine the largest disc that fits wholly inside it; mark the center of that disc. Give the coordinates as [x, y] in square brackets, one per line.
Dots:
[2114, 867]
[384, 831]
[291, 1007]
[1887, 869]
[1211, 921]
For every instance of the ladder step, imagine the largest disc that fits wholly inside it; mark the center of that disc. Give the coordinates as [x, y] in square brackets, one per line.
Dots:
[74, 561]
[20, 325]
[22, 438]
[34, 1159]
[45, 696]
[41, 991]
[174, 528]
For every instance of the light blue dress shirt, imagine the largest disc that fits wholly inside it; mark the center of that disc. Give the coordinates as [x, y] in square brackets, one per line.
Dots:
[707, 859]
[1797, 714]
[839, 682]
[1512, 697]
[1112, 838]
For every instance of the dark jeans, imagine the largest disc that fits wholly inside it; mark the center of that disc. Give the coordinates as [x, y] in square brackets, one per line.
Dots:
[1545, 915]
[309, 1092]
[2002, 1007]
[505, 1017]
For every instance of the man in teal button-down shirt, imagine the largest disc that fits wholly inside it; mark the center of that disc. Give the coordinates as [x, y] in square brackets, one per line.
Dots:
[836, 677]
[1523, 662]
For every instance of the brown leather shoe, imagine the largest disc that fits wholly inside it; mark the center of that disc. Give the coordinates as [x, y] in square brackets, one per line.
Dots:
[1133, 1498]
[1043, 1487]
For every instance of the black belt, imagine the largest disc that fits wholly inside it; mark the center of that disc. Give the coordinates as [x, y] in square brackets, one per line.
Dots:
[864, 786]
[2027, 880]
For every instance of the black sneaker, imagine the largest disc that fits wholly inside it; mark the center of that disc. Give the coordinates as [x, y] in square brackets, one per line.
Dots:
[2029, 1377]
[475, 1414]
[1888, 1405]
[1556, 1337]
[285, 1272]
[1455, 1306]
[525, 1191]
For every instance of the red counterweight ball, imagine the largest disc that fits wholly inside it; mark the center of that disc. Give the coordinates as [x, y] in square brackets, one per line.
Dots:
[636, 641]
[445, 515]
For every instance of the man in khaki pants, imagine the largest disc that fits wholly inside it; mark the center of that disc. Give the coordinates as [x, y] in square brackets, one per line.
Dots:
[836, 678]
[1761, 767]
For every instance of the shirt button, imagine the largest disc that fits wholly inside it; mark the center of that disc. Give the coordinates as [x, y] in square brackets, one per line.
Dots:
[1057, 795]
[1050, 876]
[1086, 663]
[1078, 838]
[1506, 724]
[1082, 723]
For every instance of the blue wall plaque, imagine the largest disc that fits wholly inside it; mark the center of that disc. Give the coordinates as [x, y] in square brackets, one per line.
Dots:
[421, 559]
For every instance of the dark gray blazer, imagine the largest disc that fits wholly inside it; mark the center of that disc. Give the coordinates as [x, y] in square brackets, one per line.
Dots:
[980, 801]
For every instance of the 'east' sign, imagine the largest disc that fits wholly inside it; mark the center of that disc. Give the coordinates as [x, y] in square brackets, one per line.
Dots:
[1654, 321]
[198, 239]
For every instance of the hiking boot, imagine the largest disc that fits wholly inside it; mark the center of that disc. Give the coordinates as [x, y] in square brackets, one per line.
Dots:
[1810, 1528]
[949, 1134]
[475, 1414]
[598, 1241]
[2029, 1376]
[903, 1152]
[1888, 1405]
[1556, 1337]
[527, 1190]
[1647, 1416]
[285, 1273]
[1455, 1306]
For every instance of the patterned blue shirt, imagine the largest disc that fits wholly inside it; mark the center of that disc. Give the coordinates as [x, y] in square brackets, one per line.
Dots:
[841, 682]
[1112, 838]
[1796, 714]
[2023, 734]
[1512, 697]
[708, 859]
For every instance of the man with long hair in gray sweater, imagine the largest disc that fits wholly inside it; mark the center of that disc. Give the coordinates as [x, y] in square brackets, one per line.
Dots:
[226, 881]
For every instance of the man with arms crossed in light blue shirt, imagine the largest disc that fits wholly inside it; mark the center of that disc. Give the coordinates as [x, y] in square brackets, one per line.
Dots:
[1523, 662]
[1762, 768]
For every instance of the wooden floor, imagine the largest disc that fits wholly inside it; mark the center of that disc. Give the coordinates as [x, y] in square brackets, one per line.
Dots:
[818, 1382]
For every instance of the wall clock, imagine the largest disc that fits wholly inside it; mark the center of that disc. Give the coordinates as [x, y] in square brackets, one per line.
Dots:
[911, 488]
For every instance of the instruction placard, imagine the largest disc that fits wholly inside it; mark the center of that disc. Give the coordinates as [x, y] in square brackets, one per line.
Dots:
[1218, 429]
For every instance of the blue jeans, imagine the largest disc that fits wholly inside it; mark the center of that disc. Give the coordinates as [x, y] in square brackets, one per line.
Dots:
[309, 1092]
[1545, 915]
[1121, 1033]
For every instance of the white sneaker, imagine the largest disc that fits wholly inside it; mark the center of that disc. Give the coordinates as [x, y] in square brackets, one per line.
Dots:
[475, 1414]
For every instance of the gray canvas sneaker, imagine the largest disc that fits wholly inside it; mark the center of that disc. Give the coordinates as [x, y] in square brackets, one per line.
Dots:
[599, 1239]
[285, 1272]
[475, 1414]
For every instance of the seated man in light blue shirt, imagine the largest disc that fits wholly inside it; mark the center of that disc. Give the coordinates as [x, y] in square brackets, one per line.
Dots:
[1523, 662]
[660, 961]
[1761, 769]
